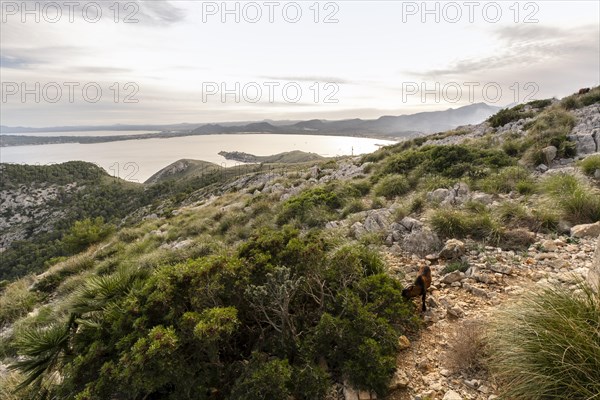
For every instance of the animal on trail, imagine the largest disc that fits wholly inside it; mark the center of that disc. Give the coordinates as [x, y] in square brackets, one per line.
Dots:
[419, 288]
[583, 91]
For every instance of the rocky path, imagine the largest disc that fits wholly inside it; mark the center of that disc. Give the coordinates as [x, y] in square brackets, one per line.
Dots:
[438, 364]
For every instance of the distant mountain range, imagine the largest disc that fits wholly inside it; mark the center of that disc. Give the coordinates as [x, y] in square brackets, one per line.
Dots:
[386, 126]
[402, 125]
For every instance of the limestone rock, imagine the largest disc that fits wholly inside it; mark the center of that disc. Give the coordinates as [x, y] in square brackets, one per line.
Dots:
[453, 276]
[549, 154]
[403, 342]
[452, 395]
[399, 380]
[586, 230]
[483, 198]
[358, 230]
[453, 249]
[585, 143]
[421, 242]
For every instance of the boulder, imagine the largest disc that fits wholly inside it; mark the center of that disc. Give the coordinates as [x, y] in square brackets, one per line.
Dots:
[453, 249]
[438, 195]
[410, 224]
[586, 230]
[403, 342]
[483, 198]
[594, 272]
[451, 395]
[585, 143]
[399, 380]
[461, 189]
[452, 277]
[421, 242]
[377, 220]
[549, 154]
[358, 230]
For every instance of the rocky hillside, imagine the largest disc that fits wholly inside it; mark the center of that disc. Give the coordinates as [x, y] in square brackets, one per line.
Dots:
[287, 283]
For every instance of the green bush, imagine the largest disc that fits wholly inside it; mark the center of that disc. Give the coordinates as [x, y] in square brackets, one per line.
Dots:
[392, 186]
[507, 115]
[540, 103]
[312, 207]
[452, 161]
[547, 346]
[590, 164]
[86, 232]
[263, 379]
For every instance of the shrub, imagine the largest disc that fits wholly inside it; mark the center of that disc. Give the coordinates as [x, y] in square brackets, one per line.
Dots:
[540, 103]
[310, 382]
[392, 186]
[590, 164]
[452, 161]
[507, 115]
[547, 346]
[86, 232]
[467, 348]
[312, 207]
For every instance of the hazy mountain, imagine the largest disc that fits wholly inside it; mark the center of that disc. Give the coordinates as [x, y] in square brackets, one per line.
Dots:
[388, 125]
[402, 125]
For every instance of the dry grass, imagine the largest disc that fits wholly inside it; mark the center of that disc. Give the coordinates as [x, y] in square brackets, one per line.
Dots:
[467, 348]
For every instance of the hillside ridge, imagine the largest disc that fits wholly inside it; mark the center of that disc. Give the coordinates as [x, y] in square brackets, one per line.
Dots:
[288, 281]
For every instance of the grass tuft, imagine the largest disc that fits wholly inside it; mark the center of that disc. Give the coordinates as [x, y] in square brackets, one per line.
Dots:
[548, 345]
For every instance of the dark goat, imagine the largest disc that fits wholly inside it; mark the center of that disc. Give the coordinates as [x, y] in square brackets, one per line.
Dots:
[584, 90]
[419, 288]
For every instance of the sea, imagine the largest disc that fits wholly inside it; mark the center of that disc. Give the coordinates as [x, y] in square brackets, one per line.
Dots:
[137, 160]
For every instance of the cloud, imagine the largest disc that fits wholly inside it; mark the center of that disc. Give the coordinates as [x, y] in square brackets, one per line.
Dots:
[522, 47]
[158, 11]
[331, 79]
[99, 70]
[13, 62]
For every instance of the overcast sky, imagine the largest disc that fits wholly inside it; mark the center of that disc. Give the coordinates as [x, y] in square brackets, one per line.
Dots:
[334, 60]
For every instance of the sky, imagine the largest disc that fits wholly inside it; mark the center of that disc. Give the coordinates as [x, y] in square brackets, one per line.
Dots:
[161, 62]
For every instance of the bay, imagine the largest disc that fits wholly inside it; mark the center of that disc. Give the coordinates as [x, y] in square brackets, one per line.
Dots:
[137, 160]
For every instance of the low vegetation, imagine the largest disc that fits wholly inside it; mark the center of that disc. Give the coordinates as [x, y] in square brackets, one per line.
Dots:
[266, 317]
[577, 200]
[590, 164]
[547, 346]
